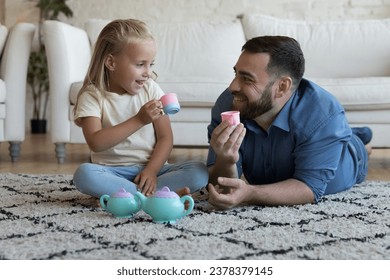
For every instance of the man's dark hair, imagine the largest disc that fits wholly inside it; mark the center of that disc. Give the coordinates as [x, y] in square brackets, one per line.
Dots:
[286, 56]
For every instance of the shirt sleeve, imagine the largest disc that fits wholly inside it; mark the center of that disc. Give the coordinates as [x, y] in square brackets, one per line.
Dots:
[317, 156]
[88, 105]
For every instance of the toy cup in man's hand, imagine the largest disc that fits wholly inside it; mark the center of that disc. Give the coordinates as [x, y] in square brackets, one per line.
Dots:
[170, 103]
[232, 116]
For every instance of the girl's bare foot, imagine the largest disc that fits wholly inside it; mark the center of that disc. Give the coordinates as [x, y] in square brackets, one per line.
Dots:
[183, 191]
[369, 149]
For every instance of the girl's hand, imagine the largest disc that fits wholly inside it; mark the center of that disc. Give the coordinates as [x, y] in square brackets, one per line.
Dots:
[147, 182]
[150, 111]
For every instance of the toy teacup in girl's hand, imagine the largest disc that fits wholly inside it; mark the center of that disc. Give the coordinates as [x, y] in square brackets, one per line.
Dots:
[121, 204]
[232, 116]
[170, 103]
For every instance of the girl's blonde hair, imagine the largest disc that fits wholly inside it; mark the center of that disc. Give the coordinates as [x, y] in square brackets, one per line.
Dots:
[112, 39]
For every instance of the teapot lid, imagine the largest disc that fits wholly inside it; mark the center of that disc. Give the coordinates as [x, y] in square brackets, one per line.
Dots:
[122, 193]
[165, 192]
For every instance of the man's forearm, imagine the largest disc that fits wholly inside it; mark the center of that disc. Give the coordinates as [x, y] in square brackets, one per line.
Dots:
[288, 192]
[222, 169]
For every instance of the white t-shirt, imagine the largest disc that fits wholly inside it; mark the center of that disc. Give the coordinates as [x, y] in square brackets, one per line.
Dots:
[112, 109]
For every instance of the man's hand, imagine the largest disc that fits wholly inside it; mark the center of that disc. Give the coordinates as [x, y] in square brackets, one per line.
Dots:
[229, 193]
[226, 141]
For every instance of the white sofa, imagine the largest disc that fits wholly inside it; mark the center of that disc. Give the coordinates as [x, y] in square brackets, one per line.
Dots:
[15, 46]
[195, 60]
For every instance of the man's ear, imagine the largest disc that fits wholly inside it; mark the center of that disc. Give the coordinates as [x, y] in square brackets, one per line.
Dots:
[284, 86]
[110, 62]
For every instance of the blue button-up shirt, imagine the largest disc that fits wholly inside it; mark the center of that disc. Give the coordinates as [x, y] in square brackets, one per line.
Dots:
[308, 140]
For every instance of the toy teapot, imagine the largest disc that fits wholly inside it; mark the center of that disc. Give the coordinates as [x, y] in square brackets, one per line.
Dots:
[121, 204]
[165, 206]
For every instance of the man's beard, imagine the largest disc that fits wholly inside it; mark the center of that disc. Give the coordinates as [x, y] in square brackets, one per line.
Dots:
[261, 106]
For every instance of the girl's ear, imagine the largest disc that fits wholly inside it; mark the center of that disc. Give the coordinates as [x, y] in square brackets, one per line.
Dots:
[109, 62]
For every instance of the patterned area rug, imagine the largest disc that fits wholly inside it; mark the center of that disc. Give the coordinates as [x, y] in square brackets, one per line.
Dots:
[45, 217]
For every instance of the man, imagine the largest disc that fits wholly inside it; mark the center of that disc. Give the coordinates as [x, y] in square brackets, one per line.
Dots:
[293, 144]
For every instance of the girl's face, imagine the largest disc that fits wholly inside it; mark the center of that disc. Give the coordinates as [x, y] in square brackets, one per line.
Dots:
[132, 67]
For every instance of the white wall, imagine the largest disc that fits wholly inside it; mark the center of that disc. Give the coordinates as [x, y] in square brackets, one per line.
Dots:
[215, 10]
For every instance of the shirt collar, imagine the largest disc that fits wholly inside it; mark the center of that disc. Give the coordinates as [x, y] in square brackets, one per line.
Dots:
[282, 120]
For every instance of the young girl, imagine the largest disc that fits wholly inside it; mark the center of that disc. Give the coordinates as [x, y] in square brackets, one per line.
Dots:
[119, 111]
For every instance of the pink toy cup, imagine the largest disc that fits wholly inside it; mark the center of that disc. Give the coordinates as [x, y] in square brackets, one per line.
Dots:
[170, 103]
[232, 116]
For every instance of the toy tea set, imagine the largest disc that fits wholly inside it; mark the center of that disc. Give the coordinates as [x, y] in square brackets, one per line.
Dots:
[164, 206]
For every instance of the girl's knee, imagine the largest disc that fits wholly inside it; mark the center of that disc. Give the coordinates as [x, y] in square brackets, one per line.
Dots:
[197, 166]
[201, 169]
[85, 168]
[199, 175]
[84, 177]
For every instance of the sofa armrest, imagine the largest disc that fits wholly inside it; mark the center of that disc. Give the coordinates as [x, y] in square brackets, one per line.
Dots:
[14, 73]
[3, 37]
[68, 54]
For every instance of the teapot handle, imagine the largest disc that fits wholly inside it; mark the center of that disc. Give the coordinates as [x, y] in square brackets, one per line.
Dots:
[103, 201]
[188, 198]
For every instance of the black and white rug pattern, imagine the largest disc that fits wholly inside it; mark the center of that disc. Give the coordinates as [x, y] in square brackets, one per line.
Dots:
[45, 217]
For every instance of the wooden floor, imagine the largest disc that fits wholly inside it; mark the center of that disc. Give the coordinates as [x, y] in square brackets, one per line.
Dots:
[38, 157]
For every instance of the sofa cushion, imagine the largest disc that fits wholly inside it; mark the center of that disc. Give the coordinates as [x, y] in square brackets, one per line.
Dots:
[74, 91]
[194, 59]
[2, 91]
[371, 93]
[333, 49]
[2, 111]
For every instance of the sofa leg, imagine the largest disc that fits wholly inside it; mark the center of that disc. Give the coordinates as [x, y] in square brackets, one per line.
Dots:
[14, 150]
[60, 152]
